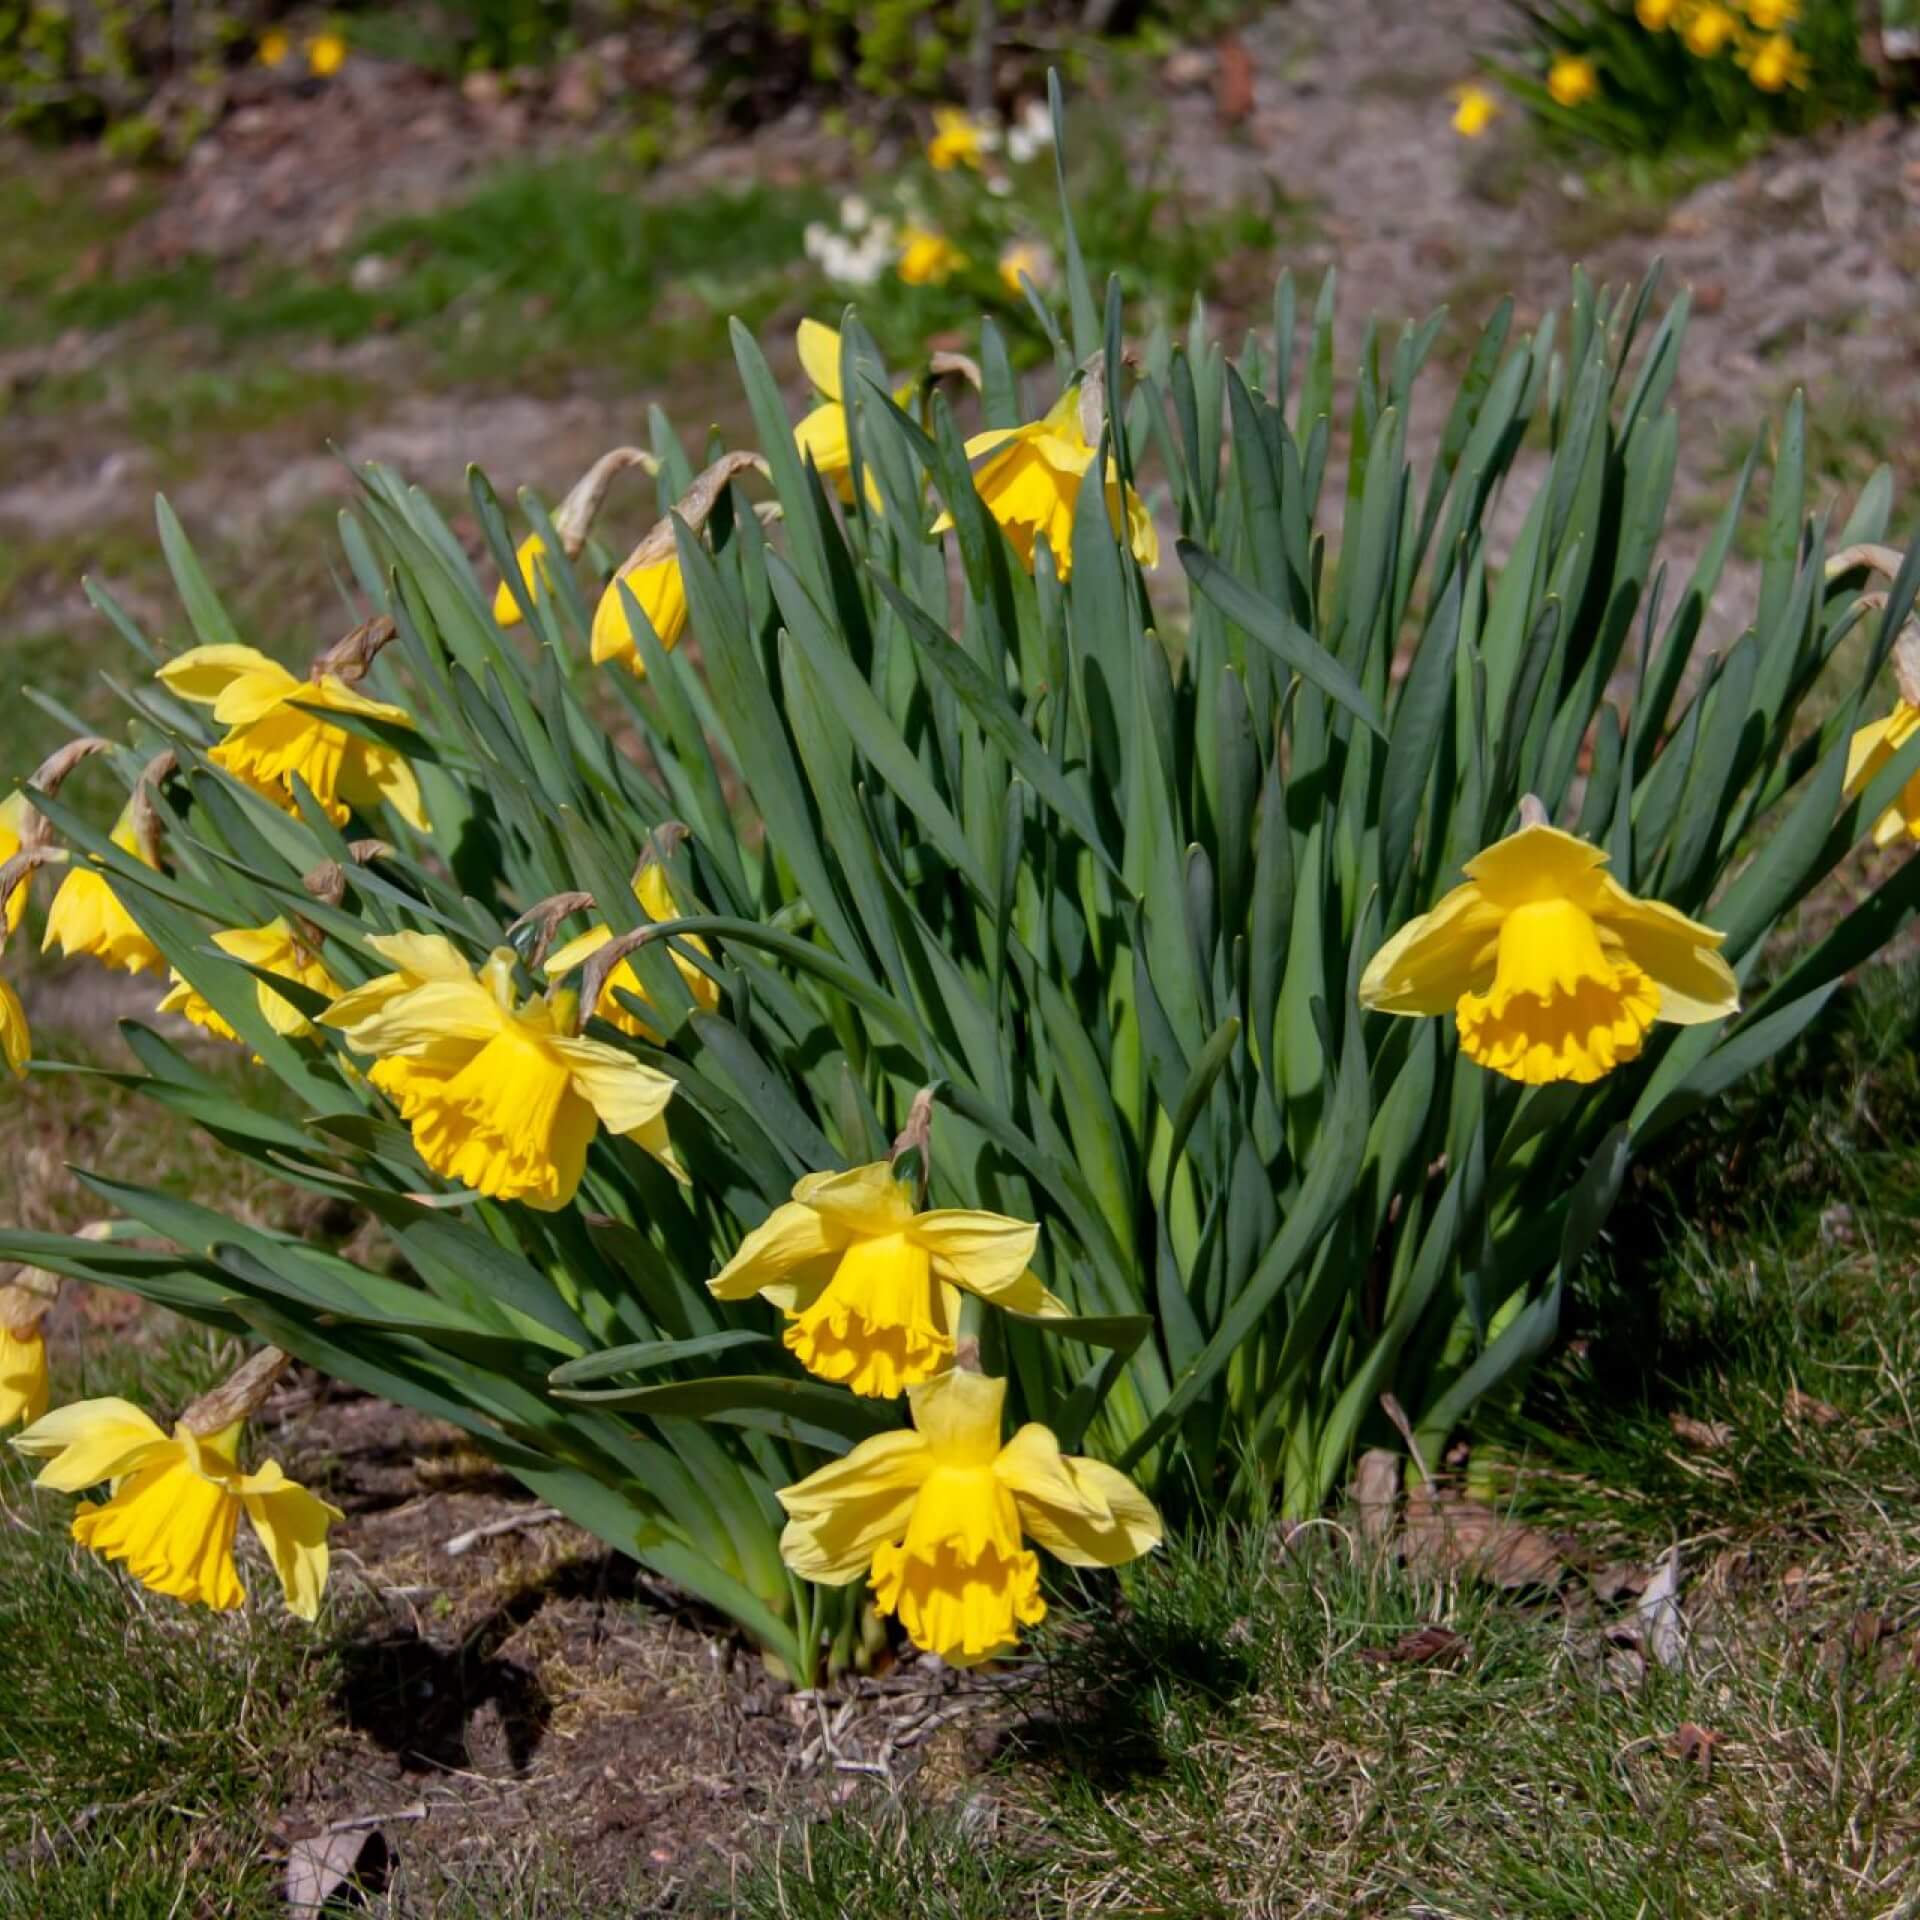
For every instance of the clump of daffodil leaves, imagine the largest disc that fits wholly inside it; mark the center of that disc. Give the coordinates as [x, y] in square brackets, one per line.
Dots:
[981, 975]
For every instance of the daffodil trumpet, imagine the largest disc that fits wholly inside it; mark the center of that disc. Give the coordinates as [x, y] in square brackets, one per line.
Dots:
[937, 1518]
[1551, 969]
[502, 1094]
[1874, 746]
[572, 521]
[871, 1281]
[651, 572]
[175, 1501]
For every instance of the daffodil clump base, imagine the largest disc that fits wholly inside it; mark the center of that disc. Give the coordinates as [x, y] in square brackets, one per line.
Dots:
[1008, 958]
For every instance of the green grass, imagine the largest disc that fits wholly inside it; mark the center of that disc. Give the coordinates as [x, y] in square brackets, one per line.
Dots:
[145, 1749]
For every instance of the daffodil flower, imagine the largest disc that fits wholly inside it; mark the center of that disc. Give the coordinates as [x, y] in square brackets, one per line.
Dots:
[326, 55]
[1707, 30]
[176, 1504]
[502, 1096]
[1551, 968]
[1776, 64]
[1572, 80]
[1770, 16]
[272, 734]
[87, 918]
[16, 1043]
[275, 948]
[1029, 477]
[662, 594]
[656, 898]
[870, 1287]
[529, 555]
[927, 258]
[959, 140]
[1870, 750]
[1474, 111]
[23, 1361]
[938, 1518]
[16, 811]
[1656, 15]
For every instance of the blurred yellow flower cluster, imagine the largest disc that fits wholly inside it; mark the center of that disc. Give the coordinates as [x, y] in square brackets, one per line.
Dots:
[1758, 34]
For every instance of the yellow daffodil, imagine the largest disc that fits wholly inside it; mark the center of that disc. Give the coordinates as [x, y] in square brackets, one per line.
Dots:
[176, 1504]
[1776, 64]
[656, 897]
[1474, 111]
[959, 140]
[1656, 15]
[326, 55]
[1870, 750]
[870, 1287]
[662, 594]
[1024, 257]
[279, 950]
[16, 1043]
[1030, 478]
[1551, 968]
[938, 1517]
[16, 810]
[1771, 16]
[272, 735]
[1708, 30]
[274, 48]
[502, 1096]
[822, 435]
[87, 918]
[928, 259]
[531, 553]
[23, 1357]
[1572, 80]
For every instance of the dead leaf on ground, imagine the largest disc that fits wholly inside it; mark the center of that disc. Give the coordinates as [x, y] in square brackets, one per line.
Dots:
[1617, 1580]
[1425, 1647]
[1445, 1536]
[1233, 80]
[1708, 1436]
[1375, 1492]
[336, 1871]
[1798, 1406]
[1663, 1627]
[1694, 1744]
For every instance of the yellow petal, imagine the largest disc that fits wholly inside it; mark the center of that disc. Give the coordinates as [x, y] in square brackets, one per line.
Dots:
[436, 1010]
[16, 1043]
[1537, 863]
[863, 1200]
[1679, 955]
[1434, 959]
[203, 674]
[819, 350]
[839, 1515]
[16, 814]
[960, 1581]
[663, 598]
[426, 956]
[1082, 1511]
[292, 1524]
[23, 1375]
[535, 574]
[626, 1093]
[959, 1415]
[986, 1253]
[89, 1441]
[789, 1239]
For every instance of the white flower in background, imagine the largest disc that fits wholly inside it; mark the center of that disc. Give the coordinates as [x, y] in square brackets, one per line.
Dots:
[1031, 134]
[817, 240]
[999, 185]
[854, 213]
